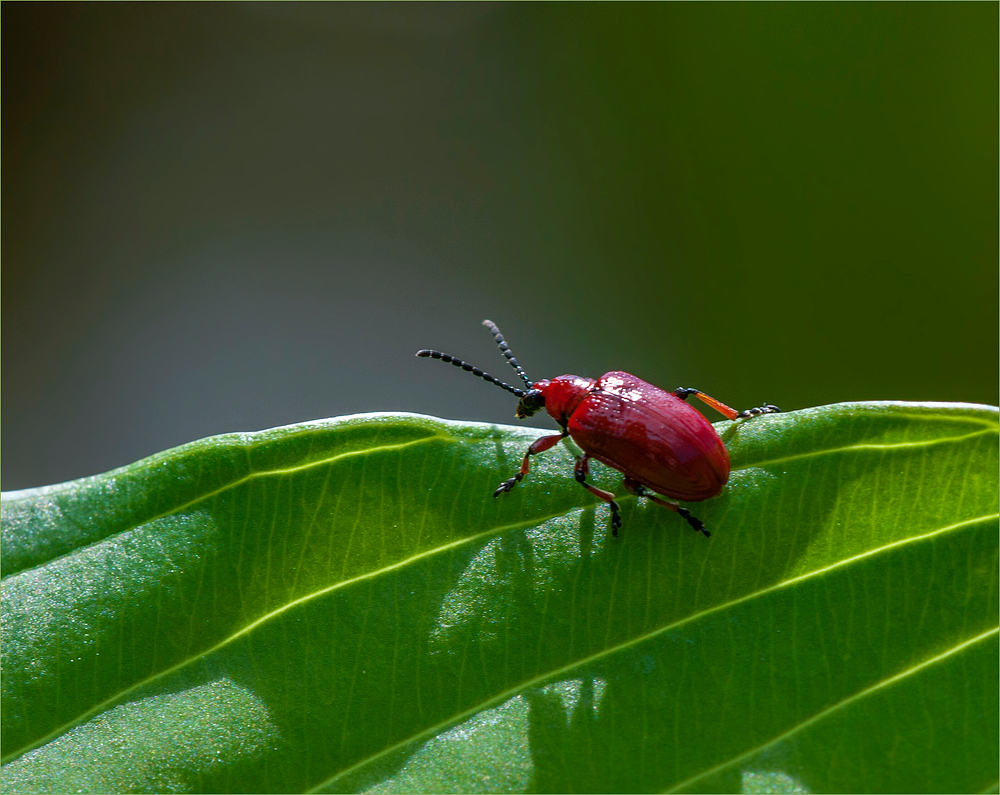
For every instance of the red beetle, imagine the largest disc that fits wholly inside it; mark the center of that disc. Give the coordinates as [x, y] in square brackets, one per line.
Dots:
[656, 440]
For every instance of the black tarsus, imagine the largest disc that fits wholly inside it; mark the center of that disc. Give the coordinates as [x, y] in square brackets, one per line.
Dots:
[767, 408]
[694, 521]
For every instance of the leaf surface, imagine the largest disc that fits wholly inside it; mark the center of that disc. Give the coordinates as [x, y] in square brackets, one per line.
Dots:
[342, 606]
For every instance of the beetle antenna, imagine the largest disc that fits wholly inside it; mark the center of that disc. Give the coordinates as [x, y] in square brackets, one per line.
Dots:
[444, 357]
[505, 350]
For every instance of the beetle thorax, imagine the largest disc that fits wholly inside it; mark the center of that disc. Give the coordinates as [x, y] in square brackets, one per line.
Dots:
[564, 394]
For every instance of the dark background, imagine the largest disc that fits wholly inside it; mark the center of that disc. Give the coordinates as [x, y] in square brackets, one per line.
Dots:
[230, 217]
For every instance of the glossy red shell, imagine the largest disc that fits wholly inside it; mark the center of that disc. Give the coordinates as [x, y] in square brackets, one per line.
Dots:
[647, 434]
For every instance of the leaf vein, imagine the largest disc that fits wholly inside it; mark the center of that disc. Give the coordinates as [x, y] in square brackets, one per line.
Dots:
[555, 673]
[866, 446]
[843, 703]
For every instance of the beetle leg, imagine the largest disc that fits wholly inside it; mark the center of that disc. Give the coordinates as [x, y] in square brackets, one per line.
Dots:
[580, 471]
[727, 412]
[636, 488]
[540, 445]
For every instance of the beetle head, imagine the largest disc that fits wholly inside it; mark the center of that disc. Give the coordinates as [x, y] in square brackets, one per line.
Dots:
[531, 401]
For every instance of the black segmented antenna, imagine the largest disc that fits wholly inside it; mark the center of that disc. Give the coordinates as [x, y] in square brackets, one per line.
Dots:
[505, 350]
[445, 357]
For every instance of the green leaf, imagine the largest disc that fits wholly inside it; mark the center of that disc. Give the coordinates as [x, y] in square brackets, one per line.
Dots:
[341, 605]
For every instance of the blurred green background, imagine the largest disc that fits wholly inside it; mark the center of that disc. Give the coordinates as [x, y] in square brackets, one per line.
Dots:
[230, 217]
